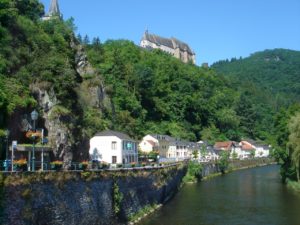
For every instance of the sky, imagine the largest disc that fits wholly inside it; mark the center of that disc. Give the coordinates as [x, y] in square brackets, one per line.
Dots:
[214, 29]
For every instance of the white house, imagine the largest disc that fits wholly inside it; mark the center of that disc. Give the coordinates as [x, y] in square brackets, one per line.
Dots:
[168, 147]
[260, 150]
[113, 147]
[162, 144]
[148, 144]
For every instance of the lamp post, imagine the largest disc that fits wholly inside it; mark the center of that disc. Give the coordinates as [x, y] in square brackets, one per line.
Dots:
[34, 116]
[6, 150]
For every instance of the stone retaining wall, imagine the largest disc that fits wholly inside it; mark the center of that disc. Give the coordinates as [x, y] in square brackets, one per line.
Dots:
[84, 198]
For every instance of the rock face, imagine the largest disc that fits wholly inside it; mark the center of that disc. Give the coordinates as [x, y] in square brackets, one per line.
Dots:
[60, 126]
[93, 88]
[63, 124]
[55, 125]
[86, 198]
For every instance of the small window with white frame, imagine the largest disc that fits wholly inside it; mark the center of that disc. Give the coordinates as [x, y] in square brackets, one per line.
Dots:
[114, 145]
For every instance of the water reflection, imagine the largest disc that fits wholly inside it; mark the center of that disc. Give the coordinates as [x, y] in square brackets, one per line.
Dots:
[248, 197]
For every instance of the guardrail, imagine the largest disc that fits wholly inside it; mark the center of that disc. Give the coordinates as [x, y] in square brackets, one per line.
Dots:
[6, 166]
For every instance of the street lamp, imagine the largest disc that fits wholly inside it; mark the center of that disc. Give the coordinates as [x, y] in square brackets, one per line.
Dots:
[6, 150]
[34, 116]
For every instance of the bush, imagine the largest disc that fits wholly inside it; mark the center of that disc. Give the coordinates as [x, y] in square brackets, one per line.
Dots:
[194, 172]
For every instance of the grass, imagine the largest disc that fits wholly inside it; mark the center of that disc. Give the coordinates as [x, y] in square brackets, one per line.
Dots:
[143, 212]
[294, 185]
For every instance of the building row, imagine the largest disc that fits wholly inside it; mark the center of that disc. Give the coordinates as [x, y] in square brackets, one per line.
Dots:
[118, 148]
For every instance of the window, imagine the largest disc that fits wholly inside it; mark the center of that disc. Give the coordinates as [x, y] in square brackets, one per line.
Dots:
[114, 159]
[114, 145]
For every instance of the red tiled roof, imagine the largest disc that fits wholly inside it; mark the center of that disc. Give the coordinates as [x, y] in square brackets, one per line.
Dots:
[151, 143]
[225, 145]
[246, 146]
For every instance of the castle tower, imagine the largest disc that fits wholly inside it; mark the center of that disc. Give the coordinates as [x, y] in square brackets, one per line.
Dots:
[54, 11]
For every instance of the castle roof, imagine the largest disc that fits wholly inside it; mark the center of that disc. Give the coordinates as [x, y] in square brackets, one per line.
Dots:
[168, 42]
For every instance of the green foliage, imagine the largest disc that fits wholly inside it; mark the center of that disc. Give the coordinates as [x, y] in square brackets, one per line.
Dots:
[195, 154]
[275, 70]
[280, 142]
[142, 212]
[154, 92]
[294, 143]
[194, 172]
[252, 153]
[224, 161]
[117, 198]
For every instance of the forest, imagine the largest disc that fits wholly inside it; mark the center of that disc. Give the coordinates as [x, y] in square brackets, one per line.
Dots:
[146, 91]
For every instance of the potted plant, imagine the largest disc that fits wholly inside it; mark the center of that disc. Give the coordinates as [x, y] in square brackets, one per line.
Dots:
[119, 165]
[133, 164]
[33, 135]
[56, 165]
[104, 165]
[83, 165]
[21, 164]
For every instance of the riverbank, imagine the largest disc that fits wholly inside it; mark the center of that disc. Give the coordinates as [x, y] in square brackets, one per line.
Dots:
[232, 169]
[294, 185]
[204, 171]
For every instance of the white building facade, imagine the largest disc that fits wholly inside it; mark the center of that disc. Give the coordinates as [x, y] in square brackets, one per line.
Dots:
[113, 147]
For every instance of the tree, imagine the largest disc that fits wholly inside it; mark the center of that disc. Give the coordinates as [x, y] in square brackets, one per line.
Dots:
[79, 38]
[86, 40]
[252, 153]
[224, 161]
[294, 143]
[203, 152]
[195, 154]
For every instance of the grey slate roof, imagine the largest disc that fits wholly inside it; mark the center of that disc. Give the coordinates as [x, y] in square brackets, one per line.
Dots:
[54, 8]
[169, 42]
[163, 137]
[118, 134]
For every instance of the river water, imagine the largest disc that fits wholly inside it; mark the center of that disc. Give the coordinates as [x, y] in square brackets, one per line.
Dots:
[245, 197]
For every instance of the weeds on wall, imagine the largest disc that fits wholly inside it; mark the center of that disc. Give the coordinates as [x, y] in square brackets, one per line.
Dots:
[117, 198]
[194, 172]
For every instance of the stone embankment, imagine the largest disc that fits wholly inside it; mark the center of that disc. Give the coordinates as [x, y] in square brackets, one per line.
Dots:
[211, 168]
[89, 197]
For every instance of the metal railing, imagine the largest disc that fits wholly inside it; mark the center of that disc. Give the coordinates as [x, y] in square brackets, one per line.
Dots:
[6, 166]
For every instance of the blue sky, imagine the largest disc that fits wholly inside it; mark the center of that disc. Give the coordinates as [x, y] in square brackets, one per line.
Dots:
[214, 29]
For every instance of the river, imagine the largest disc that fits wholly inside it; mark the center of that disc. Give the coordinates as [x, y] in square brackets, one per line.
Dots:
[245, 197]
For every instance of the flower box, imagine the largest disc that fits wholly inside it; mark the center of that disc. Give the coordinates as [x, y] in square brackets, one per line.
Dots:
[56, 165]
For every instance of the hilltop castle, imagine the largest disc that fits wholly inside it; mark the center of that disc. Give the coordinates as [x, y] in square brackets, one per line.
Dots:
[54, 11]
[172, 46]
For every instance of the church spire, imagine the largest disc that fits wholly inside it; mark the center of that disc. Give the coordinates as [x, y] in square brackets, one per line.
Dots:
[54, 11]
[54, 8]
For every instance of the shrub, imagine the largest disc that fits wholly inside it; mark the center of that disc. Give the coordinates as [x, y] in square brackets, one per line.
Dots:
[194, 172]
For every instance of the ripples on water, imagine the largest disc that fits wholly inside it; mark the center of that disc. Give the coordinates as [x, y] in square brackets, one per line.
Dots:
[245, 197]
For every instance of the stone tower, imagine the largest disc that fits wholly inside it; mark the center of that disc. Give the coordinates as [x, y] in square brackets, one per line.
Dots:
[54, 11]
[54, 8]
